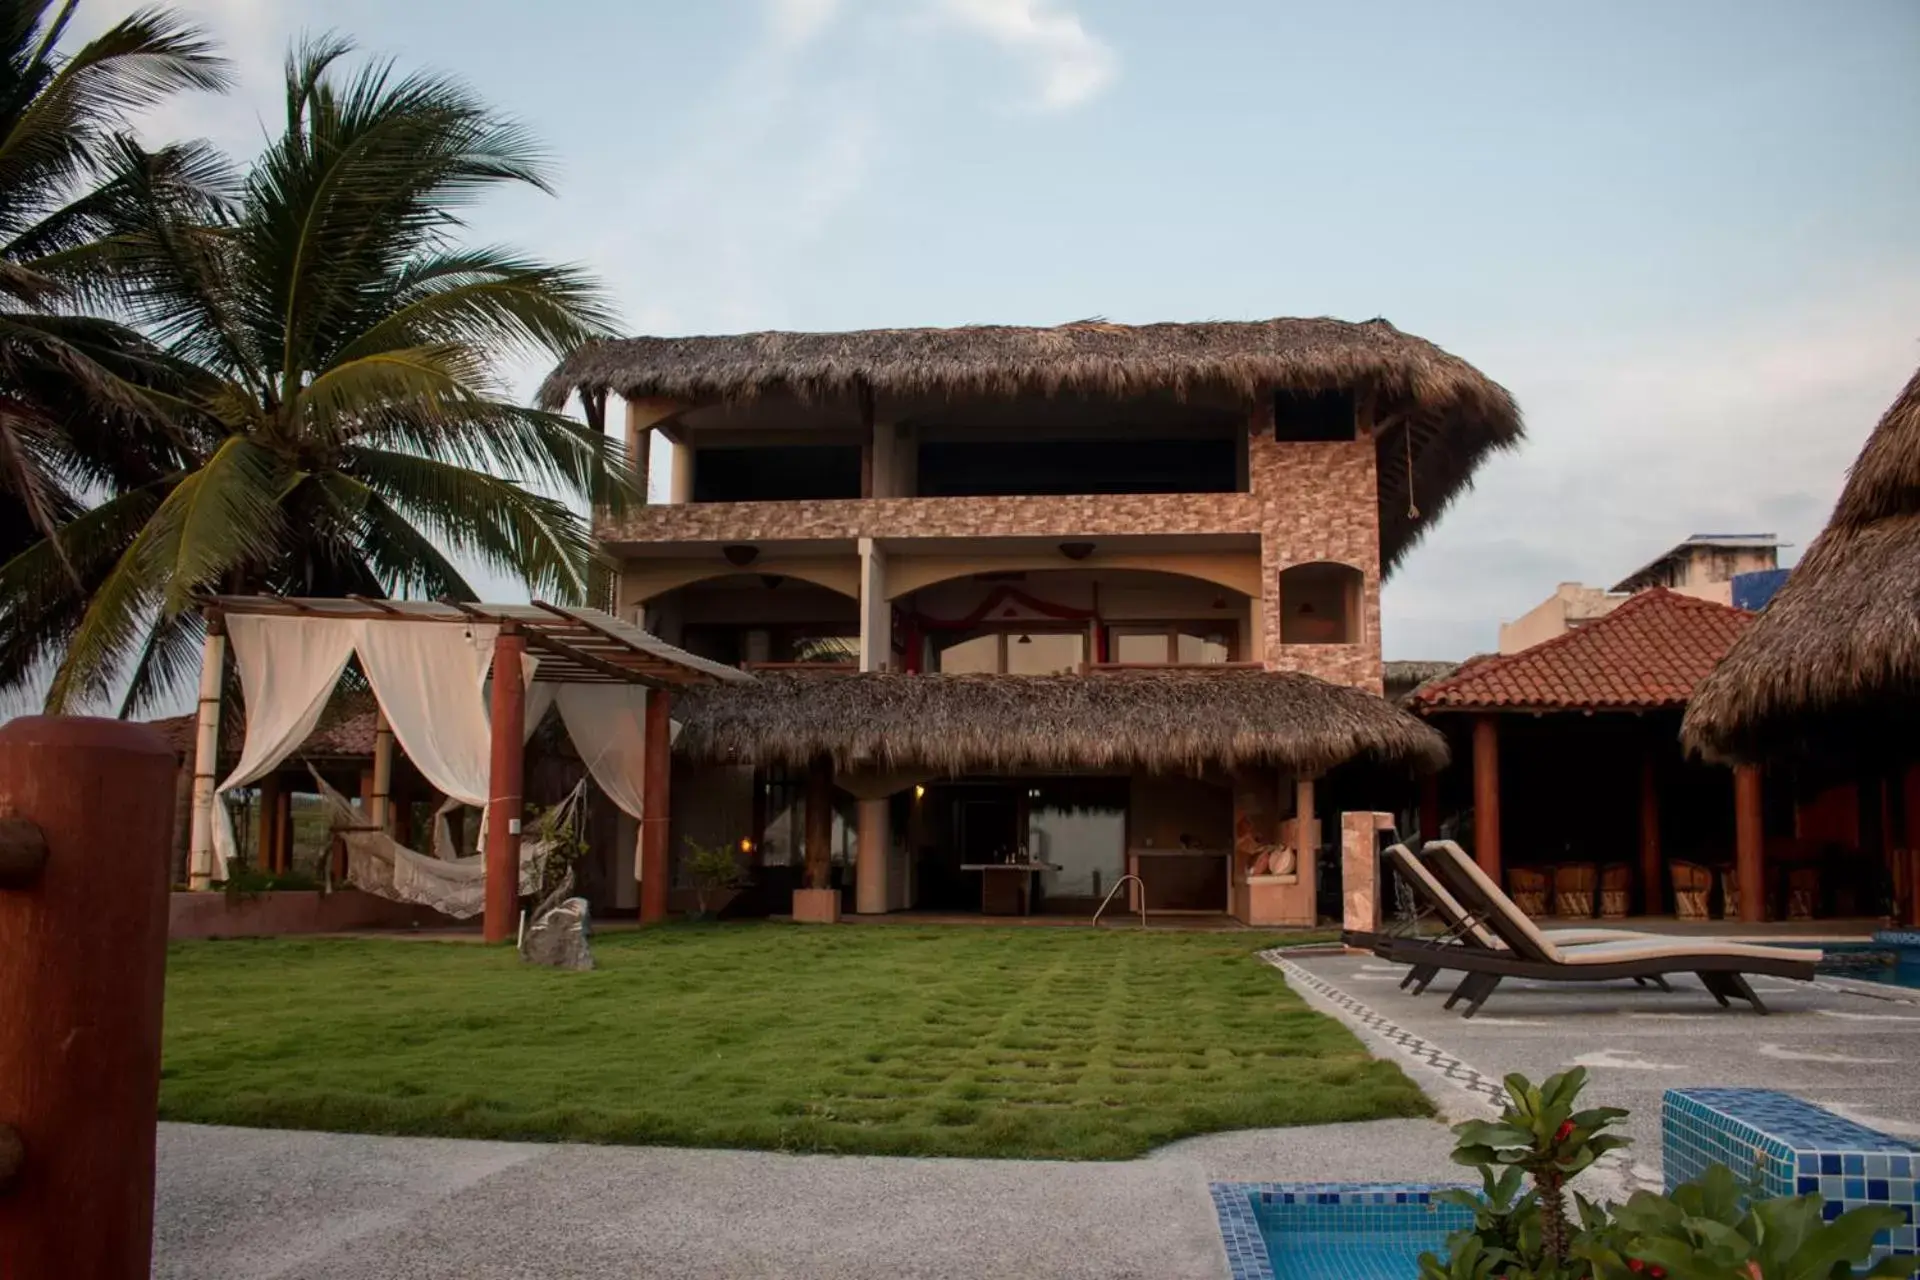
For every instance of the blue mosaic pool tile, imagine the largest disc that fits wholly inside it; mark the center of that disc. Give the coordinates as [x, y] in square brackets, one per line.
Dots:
[1781, 1146]
[1331, 1230]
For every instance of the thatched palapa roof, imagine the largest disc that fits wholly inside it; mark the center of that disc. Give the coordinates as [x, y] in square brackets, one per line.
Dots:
[1437, 416]
[1166, 720]
[1832, 667]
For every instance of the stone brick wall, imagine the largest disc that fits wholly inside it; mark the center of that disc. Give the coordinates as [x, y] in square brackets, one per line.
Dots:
[1309, 502]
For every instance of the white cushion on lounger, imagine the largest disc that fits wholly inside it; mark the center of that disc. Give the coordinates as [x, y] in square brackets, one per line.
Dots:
[1501, 903]
[1411, 866]
[1685, 949]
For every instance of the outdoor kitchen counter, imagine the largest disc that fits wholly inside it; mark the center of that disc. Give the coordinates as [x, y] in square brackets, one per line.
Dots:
[1006, 894]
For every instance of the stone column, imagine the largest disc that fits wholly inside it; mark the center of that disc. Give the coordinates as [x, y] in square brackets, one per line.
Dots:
[870, 890]
[1360, 887]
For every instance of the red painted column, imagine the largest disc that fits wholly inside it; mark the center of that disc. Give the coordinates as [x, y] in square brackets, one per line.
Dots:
[1652, 868]
[656, 789]
[1486, 795]
[83, 953]
[1429, 806]
[504, 779]
[1748, 842]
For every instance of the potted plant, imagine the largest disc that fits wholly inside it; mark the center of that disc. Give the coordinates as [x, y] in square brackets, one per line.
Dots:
[712, 870]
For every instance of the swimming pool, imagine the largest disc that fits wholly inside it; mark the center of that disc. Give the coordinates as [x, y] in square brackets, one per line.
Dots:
[1332, 1230]
[1889, 958]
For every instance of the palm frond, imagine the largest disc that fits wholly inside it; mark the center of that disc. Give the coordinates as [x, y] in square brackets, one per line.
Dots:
[541, 541]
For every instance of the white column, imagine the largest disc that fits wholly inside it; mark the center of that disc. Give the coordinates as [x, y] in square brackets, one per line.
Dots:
[680, 491]
[870, 859]
[206, 755]
[876, 615]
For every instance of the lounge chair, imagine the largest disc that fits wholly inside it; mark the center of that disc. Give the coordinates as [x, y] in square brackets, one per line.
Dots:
[1461, 928]
[1721, 966]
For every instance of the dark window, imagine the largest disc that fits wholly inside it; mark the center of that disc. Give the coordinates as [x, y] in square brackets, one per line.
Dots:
[1315, 415]
[967, 469]
[776, 473]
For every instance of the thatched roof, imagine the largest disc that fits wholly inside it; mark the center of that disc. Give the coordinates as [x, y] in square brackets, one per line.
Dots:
[1450, 413]
[1167, 720]
[1832, 667]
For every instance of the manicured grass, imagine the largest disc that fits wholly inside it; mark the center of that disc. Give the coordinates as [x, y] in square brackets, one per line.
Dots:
[900, 1039]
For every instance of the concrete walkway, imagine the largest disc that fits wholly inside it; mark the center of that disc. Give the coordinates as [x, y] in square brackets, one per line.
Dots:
[248, 1204]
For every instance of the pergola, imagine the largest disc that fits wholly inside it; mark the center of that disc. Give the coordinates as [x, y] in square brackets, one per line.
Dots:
[574, 645]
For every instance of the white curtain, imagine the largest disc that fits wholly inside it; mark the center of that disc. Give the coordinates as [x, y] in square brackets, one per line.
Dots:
[288, 667]
[429, 679]
[607, 723]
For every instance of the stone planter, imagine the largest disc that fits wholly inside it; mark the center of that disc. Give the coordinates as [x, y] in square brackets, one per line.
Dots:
[816, 906]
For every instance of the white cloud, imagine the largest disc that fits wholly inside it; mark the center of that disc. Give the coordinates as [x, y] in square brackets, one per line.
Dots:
[1074, 65]
[795, 22]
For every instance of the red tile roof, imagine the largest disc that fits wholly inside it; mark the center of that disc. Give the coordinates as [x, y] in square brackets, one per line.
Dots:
[1649, 652]
[345, 730]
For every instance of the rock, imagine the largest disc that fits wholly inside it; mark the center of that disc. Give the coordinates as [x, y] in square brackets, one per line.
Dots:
[558, 936]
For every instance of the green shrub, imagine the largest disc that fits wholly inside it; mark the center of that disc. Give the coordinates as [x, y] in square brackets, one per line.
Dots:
[1713, 1229]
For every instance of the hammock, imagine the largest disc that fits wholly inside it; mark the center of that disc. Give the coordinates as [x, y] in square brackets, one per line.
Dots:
[457, 887]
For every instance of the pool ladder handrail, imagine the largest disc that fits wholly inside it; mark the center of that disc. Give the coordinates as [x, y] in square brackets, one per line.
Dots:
[1116, 888]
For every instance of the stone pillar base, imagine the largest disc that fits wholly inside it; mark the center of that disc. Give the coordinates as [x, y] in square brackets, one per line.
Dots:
[816, 906]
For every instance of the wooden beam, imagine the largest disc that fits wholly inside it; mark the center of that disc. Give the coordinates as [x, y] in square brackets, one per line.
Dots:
[1652, 867]
[1749, 842]
[1486, 795]
[820, 823]
[504, 781]
[656, 794]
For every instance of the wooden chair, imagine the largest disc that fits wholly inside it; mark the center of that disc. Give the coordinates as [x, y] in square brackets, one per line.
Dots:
[1529, 886]
[1692, 884]
[1616, 890]
[1573, 890]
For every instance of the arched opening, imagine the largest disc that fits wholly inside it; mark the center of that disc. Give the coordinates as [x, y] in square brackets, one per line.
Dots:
[1320, 603]
[1043, 621]
[759, 619]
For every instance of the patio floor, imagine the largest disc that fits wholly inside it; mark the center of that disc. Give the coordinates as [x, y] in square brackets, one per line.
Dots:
[1851, 1053]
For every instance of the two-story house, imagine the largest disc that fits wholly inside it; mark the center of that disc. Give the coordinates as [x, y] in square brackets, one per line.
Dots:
[1095, 600]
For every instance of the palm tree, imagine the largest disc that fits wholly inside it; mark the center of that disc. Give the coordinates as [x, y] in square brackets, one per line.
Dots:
[72, 410]
[335, 350]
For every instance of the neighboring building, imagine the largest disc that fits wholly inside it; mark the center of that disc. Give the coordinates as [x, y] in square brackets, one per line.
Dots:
[1707, 566]
[1154, 553]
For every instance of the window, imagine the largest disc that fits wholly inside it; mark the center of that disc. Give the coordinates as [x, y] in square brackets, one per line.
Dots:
[780, 473]
[1030, 652]
[784, 840]
[1320, 604]
[1183, 642]
[1313, 415]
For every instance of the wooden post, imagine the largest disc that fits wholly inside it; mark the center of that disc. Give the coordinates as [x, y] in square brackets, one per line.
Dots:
[83, 939]
[1486, 795]
[206, 752]
[266, 826]
[656, 788]
[1652, 868]
[1429, 806]
[504, 778]
[1306, 829]
[283, 832]
[382, 806]
[1748, 842]
[820, 823]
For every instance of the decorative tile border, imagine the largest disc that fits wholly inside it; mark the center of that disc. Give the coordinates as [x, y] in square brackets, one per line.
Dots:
[1429, 1056]
[1377, 1213]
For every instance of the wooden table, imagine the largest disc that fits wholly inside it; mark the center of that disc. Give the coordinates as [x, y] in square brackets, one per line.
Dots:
[1006, 888]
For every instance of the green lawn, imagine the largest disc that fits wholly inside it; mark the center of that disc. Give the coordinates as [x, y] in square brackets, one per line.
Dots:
[901, 1039]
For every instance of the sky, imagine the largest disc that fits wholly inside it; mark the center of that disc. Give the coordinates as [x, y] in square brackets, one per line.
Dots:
[1683, 235]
